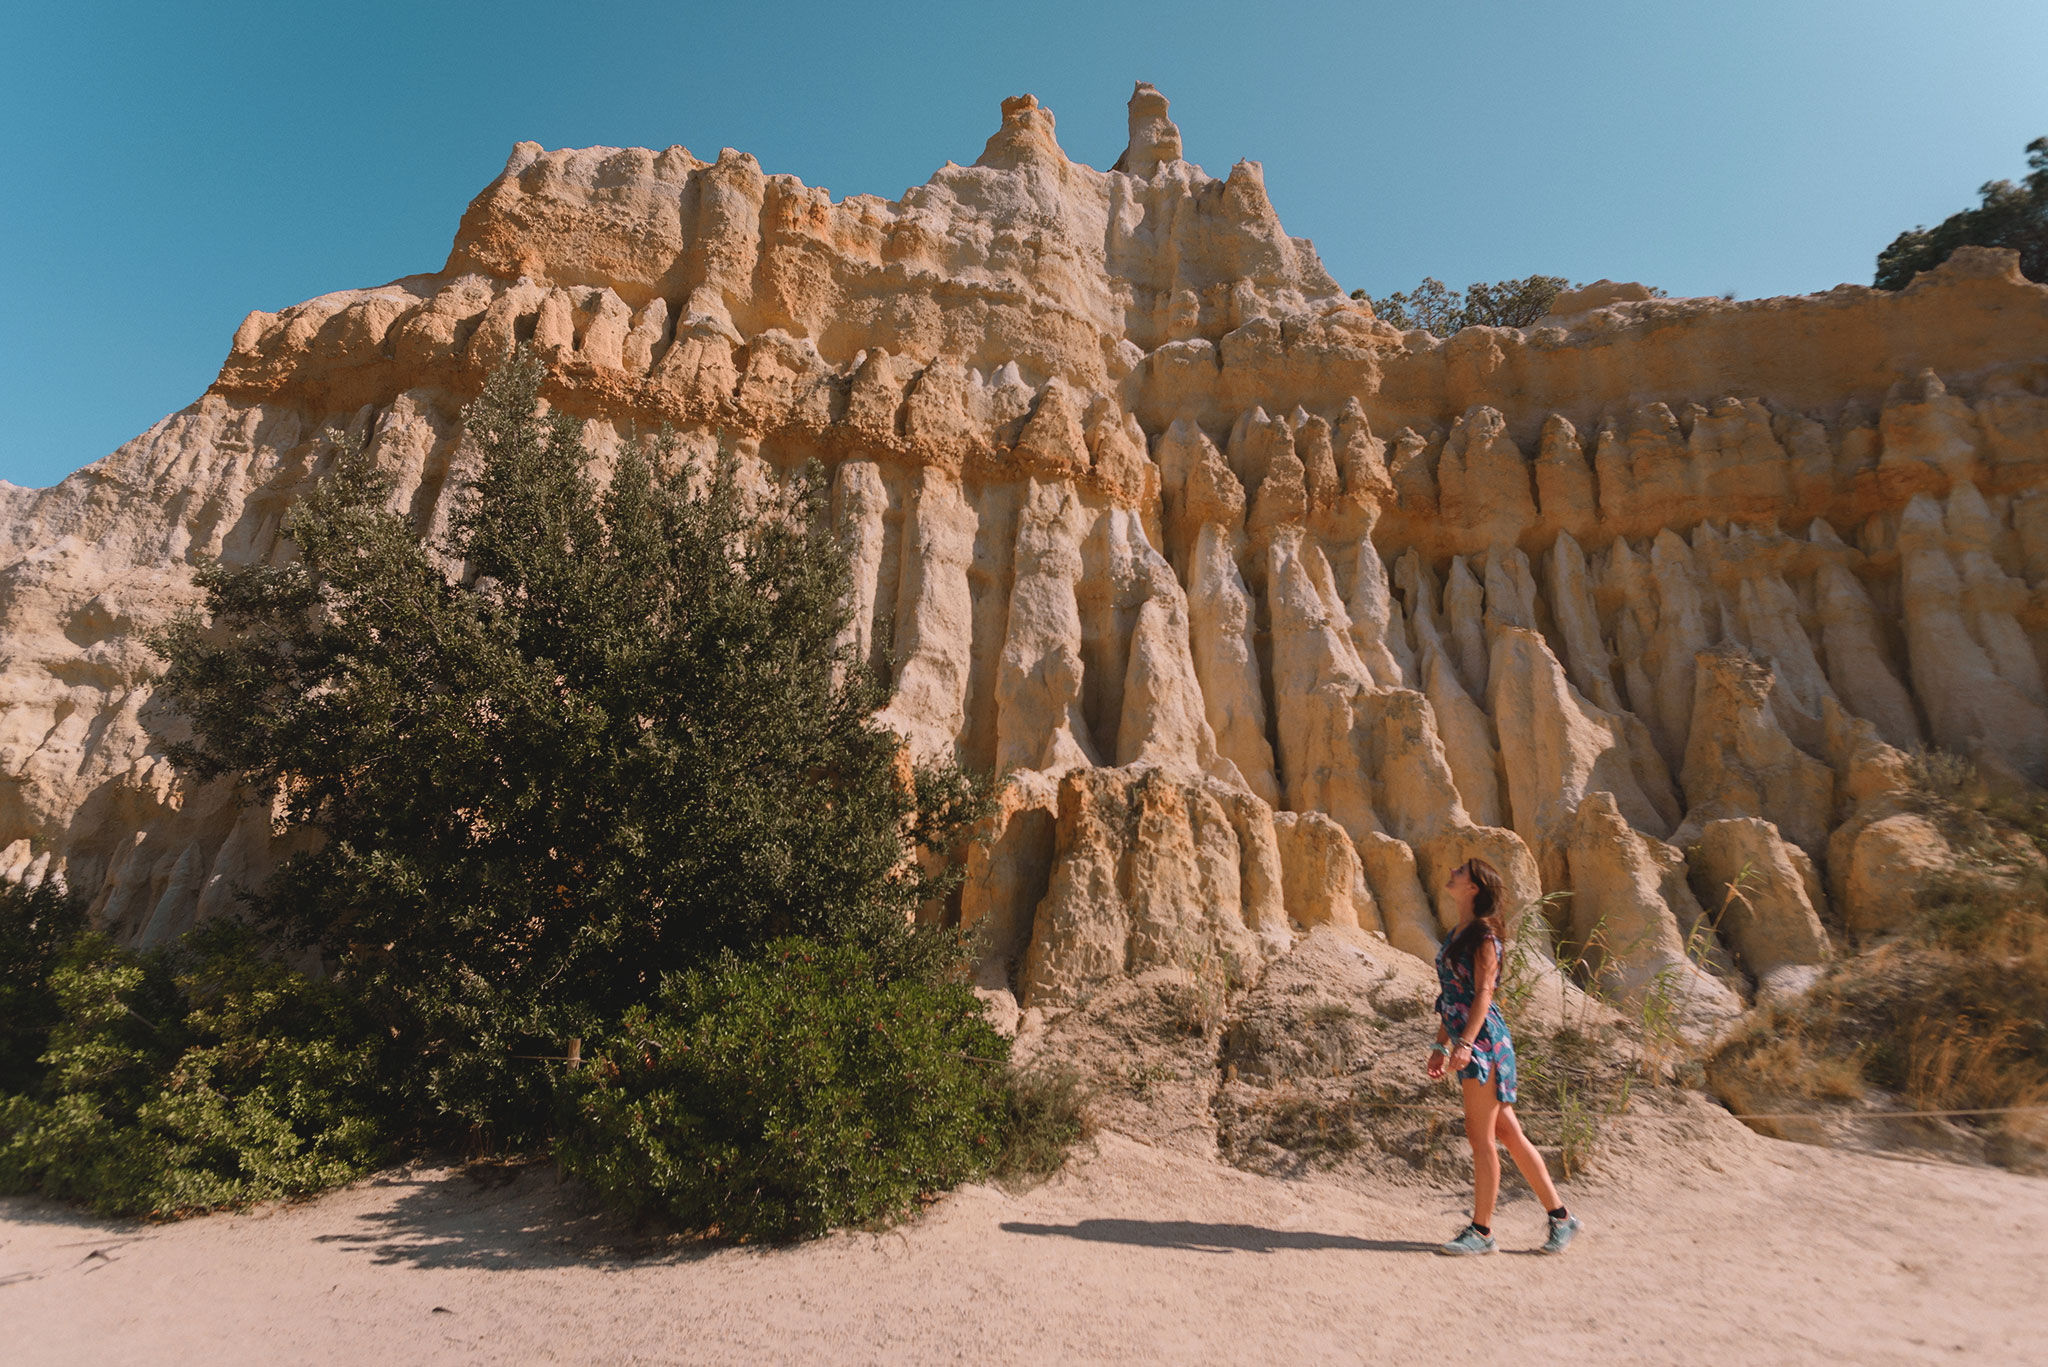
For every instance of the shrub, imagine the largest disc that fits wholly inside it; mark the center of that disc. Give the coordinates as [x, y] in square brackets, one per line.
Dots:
[778, 1097]
[2007, 215]
[36, 927]
[181, 1081]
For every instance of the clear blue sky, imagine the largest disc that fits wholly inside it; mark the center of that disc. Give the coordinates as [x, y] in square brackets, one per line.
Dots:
[172, 166]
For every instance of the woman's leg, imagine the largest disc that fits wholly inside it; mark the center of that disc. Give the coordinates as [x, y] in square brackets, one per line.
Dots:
[1481, 1108]
[1508, 1130]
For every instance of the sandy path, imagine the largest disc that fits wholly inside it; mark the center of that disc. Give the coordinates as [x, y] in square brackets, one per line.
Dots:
[1746, 1250]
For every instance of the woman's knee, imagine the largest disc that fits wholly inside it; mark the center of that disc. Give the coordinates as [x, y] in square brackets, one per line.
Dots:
[1480, 1127]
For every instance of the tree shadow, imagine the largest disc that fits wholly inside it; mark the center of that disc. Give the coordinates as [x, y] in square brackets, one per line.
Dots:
[40, 1210]
[496, 1220]
[1198, 1237]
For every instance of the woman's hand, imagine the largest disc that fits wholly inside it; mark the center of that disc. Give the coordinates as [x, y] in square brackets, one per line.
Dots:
[1461, 1047]
[1435, 1066]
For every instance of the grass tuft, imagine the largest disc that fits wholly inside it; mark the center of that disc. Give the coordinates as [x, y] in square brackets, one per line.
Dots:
[1048, 1112]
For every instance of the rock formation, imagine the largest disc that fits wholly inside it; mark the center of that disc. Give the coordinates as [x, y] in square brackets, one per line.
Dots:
[1267, 612]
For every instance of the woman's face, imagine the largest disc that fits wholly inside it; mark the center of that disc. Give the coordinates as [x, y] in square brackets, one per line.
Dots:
[1460, 884]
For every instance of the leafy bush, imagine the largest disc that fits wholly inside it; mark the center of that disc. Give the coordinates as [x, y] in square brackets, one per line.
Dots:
[2007, 215]
[181, 1081]
[775, 1098]
[36, 927]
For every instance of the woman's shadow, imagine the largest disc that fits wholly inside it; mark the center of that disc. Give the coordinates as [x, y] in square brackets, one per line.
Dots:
[1199, 1237]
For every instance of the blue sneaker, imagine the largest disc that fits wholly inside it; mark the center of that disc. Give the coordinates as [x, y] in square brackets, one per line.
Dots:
[1469, 1243]
[1561, 1233]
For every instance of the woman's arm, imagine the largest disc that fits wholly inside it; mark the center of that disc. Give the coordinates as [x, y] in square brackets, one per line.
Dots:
[1440, 1052]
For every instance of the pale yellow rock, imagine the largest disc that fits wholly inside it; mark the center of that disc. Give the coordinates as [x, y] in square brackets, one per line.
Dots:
[1622, 917]
[1006, 873]
[1147, 872]
[1557, 748]
[1599, 294]
[1586, 656]
[1378, 627]
[1467, 739]
[1885, 865]
[1860, 668]
[1484, 481]
[1323, 882]
[1564, 480]
[934, 618]
[1865, 767]
[1968, 688]
[1319, 755]
[1681, 633]
[1762, 894]
[1220, 638]
[1740, 762]
[1404, 909]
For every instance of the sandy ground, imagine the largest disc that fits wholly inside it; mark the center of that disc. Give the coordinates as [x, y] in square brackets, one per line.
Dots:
[1728, 1248]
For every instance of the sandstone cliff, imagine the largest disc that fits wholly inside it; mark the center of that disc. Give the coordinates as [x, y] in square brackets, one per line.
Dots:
[1270, 613]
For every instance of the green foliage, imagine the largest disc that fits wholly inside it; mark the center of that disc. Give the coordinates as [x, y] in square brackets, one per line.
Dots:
[622, 742]
[776, 1097]
[181, 1081]
[2007, 215]
[36, 927]
[1445, 311]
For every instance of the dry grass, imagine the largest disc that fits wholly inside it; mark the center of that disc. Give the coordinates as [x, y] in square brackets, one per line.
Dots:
[1048, 1112]
[1321, 1125]
[1571, 1083]
[1947, 1064]
[1952, 1015]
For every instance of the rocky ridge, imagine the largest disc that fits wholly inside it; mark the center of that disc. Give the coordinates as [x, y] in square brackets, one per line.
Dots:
[1268, 613]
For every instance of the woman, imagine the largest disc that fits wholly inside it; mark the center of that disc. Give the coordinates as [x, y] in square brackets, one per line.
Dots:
[1468, 971]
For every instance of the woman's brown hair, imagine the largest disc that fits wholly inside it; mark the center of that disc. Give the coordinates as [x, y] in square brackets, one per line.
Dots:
[1486, 916]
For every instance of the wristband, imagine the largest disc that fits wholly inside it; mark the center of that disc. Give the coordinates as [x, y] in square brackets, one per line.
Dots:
[1440, 1048]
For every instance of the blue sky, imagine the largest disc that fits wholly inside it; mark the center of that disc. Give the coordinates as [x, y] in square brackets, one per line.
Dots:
[172, 166]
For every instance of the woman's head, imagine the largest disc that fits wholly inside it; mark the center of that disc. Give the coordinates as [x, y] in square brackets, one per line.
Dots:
[1477, 887]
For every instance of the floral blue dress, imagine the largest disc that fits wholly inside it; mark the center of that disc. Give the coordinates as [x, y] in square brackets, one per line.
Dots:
[1493, 1049]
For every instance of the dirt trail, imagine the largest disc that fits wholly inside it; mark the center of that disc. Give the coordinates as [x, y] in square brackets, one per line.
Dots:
[1721, 1248]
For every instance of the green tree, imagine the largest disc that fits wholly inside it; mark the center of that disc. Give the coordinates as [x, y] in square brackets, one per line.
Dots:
[603, 736]
[2007, 215]
[1444, 311]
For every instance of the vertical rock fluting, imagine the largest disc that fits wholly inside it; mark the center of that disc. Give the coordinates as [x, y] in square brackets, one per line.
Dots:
[1266, 614]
